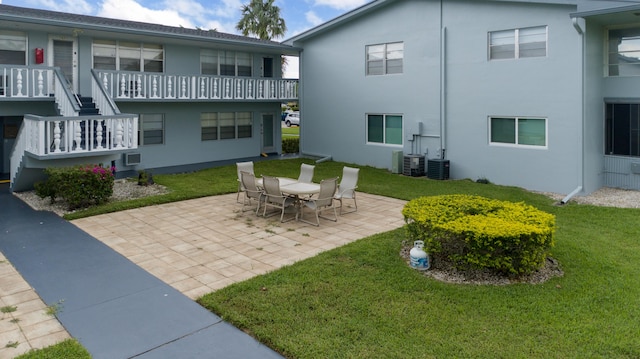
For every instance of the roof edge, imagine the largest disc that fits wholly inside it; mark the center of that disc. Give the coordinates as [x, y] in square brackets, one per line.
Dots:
[357, 12]
[607, 11]
[57, 18]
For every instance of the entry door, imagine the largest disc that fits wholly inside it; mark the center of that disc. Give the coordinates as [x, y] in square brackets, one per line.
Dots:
[267, 67]
[9, 126]
[3, 171]
[64, 54]
[268, 133]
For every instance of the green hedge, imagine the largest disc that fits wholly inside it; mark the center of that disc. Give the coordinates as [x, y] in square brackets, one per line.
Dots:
[477, 232]
[291, 145]
[79, 186]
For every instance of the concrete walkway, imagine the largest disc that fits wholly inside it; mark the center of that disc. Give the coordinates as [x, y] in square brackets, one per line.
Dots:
[125, 281]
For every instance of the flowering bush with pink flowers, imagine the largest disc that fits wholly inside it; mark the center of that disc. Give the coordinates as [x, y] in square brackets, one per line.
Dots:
[79, 186]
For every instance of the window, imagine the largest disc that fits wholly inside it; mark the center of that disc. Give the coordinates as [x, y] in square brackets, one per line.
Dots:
[518, 131]
[209, 62]
[13, 48]
[385, 59]
[518, 43]
[624, 52]
[226, 63]
[151, 129]
[209, 125]
[244, 122]
[622, 130]
[385, 129]
[226, 125]
[127, 56]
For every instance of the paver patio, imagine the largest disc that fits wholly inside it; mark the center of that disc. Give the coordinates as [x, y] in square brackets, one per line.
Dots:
[201, 245]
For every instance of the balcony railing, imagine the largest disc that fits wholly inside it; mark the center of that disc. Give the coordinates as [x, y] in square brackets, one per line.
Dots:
[156, 86]
[25, 82]
[56, 136]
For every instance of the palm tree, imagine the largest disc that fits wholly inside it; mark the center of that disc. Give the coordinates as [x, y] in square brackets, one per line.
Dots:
[261, 18]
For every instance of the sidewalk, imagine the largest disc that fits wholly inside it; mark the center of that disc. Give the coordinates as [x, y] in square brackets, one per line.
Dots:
[139, 302]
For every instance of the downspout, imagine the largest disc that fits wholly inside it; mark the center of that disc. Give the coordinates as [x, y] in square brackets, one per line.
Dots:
[443, 84]
[580, 30]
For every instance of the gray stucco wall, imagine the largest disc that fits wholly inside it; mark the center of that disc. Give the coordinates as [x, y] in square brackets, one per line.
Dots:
[337, 95]
[182, 141]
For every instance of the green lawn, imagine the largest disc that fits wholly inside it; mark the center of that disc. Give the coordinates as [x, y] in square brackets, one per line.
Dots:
[363, 301]
[293, 131]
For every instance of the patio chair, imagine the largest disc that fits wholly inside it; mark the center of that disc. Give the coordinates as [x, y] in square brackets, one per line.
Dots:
[243, 167]
[347, 187]
[323, 203]
[273, 197]
[306, 173]
[251, 191]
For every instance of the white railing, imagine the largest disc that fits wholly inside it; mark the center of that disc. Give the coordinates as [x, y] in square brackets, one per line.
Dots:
[22, 81]
[65, 98]
[55, 136]
[157, 86]
[104, 102]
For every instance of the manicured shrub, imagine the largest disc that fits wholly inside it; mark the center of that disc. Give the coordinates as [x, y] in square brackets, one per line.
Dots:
[291, 145]
[79, 186]
[476, 232]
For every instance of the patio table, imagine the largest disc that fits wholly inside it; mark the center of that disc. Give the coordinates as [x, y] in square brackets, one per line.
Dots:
[283, 181]
[299, 190]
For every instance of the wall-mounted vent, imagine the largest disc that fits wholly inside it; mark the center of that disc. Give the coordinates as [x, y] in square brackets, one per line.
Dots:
[131, 159]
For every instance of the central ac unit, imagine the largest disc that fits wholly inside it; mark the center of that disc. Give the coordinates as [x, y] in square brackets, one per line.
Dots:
[413, 165]
[131, 159]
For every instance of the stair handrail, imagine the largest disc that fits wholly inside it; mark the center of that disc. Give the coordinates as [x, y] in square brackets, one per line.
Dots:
[67, 100]
[104, 101]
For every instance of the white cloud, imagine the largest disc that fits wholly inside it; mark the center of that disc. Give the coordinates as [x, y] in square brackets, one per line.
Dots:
[132, 10]
[341, 4]
[313, 18]
[229, 9]
[71, 6]
[292, 71]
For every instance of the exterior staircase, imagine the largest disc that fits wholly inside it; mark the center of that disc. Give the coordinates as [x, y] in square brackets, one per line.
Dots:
[86, 130]
[87, 106]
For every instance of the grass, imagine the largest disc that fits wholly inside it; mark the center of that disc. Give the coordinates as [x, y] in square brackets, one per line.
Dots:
[293, 131]
[66, 349]
[363, 301]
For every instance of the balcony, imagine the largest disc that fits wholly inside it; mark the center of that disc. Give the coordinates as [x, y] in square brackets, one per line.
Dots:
[19, 82]
[121, 85]
[50, 137]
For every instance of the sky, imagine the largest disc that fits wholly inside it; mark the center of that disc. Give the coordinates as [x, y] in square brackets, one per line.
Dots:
[222, 15]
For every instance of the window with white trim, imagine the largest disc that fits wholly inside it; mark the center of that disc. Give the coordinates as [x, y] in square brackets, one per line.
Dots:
[225, 125]
[518, 43]
[623, 56]
[385, 59]
[127, 56]
[226, 63]
[518, 131]
[151, 129]
[384, 129]
[13, 48]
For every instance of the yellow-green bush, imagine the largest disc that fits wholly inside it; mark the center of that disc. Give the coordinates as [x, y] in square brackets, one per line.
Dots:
[472, 231]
